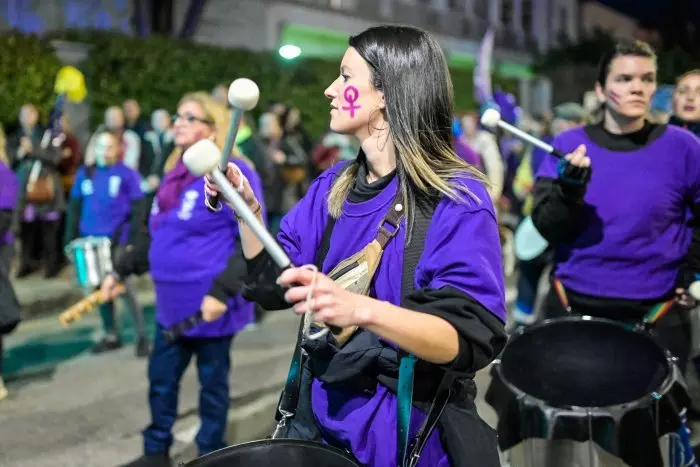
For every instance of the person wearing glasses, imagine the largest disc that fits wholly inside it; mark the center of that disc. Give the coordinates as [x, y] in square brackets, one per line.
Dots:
[187, 249]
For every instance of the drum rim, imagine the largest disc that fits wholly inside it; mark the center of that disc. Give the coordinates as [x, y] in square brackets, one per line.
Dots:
[296, 442]
[671, 377]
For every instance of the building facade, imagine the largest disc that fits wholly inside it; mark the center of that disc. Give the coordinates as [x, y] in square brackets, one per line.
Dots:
[321, 27]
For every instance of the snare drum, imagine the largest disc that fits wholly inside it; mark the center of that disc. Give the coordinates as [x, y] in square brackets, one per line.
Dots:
[92, 259]
[586, 380]
[274, 453]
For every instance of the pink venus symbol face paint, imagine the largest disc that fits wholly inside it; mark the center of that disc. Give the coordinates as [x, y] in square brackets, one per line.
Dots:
[351, 94]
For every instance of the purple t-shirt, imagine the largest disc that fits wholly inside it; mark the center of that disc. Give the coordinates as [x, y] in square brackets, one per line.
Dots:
[106, 199]
[636, 234]
[9, 189]
[190, 247]
[462, 250]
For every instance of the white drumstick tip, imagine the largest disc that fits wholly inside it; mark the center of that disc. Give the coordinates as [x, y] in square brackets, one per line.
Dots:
[202, 157]
[243, 94]
[490, 118]
[694, 290]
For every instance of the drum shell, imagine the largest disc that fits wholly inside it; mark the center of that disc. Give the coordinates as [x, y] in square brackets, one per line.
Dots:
[274, 453]
[92, 260]
[629, 430]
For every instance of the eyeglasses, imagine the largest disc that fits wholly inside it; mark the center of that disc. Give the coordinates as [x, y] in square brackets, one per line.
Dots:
[189, 118]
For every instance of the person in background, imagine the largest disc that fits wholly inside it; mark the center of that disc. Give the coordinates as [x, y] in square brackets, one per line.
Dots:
[220, 94]
[71, 158]
[187, 249]
[132, 118]
[41, 200]
[249, 145]
[686, 102]
[333, 148]
[106, 201]
[9, 308]
[461, 146]
[26, 137]
[566, 116]
[158, 145]
[129, 141]
[486, 145]
[616, 209]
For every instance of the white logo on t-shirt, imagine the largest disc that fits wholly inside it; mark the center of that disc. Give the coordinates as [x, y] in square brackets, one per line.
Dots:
[86, 187]
[188, 204]
[115, 182]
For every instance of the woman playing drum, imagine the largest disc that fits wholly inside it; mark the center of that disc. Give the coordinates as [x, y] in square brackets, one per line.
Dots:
[620, 209]
[187, 247]
[395, 94]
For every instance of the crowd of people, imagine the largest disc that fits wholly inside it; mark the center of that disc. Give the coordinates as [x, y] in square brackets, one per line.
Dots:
[458, 188]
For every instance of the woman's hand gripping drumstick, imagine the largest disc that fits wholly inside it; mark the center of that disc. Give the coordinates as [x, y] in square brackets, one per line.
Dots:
[92, 301]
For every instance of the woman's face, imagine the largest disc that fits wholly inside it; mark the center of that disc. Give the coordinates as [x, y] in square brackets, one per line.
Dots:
[629, 87]
[106, 150]
[293, 119]
[28, 115]
[356, 107]
[191, 124]
[686, 98]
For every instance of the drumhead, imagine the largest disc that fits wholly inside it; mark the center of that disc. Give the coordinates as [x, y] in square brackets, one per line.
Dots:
[274, 453]
[529, 244]
[584, 362]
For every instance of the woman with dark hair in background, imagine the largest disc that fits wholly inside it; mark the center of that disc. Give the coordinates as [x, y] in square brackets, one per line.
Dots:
[394, 94]
[616, 209]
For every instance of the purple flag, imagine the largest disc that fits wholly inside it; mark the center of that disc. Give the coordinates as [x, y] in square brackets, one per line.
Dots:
[482, 71]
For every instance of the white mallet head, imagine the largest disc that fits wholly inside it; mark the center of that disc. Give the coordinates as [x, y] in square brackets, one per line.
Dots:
[202, 157]
[490, 118]
[694, 290]
[243, 94]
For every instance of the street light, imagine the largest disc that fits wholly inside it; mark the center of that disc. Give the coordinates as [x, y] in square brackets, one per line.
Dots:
[289, 51]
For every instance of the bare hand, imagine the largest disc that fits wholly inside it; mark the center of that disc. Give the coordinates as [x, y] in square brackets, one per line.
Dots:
[330, 303]
[108, 288]
[278, 157]
[66, 153]
[212, 309]
[239, 181]
[26, 144]
[153, 181]
[684, 299]
[578, 157]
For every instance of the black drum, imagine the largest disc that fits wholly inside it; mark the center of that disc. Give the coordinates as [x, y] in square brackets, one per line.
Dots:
[275, 453]
[587, 379]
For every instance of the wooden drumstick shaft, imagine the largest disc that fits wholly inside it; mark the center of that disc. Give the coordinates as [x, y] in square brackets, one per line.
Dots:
[85, 305]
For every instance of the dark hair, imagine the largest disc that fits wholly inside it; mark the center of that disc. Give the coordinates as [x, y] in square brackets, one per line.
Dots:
[408, 65]
[629, 48]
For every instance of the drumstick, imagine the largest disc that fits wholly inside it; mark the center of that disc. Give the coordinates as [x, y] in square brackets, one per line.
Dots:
[243, 95]
[85, 305]
[492, 118]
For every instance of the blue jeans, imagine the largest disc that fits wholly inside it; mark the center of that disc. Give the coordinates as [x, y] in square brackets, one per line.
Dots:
[166, 365]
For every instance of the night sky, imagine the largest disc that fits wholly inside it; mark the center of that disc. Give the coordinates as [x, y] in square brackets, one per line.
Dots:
[650, 10]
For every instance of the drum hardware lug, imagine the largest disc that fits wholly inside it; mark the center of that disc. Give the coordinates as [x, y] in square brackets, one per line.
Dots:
[282, 423]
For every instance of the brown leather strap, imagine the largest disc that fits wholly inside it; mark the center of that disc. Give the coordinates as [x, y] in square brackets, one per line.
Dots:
[393, 218]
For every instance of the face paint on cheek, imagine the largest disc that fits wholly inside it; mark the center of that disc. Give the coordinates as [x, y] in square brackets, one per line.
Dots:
[614, 97]
[351, 94]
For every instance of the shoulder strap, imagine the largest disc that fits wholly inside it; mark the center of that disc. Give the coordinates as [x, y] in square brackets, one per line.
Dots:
[289, 399]
[412, 254]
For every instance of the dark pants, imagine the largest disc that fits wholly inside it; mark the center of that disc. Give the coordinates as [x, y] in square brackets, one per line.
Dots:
[672, 330]
[167, 363]
[40, 244]
[528, 282]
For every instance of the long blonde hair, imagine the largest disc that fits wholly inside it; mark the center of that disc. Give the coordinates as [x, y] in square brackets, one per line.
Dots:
[3, 146]
[408, 66]
[217, 113]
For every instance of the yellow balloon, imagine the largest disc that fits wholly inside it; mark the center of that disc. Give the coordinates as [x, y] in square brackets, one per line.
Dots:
[71, 82]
